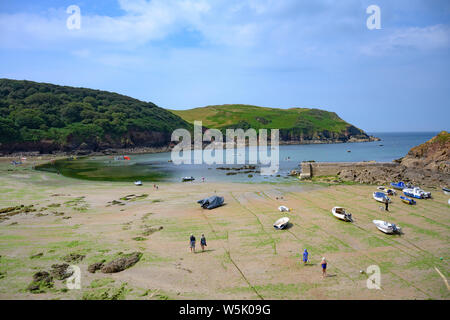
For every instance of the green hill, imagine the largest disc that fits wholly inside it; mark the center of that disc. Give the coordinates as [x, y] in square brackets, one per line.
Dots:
[45, 117]
[301, 125]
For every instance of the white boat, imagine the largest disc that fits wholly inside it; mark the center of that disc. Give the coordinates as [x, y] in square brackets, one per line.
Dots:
[387, 190]
[381, 197]
[341, 214]
[284, 209]
[417, 193]
[188, 179]
[386, 227]
[138, 183]
[281, 223]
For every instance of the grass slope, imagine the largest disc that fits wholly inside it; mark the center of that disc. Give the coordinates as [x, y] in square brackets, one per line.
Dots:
[293, 122]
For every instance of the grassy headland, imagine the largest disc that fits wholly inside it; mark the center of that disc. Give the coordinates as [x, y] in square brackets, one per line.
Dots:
[295, 124]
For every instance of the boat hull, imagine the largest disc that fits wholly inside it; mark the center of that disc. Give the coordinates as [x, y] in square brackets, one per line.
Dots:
[342, 216]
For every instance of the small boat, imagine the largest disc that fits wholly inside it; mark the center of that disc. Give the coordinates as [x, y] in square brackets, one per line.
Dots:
[211, 202]
[407, 200]
[416, 192]
[138, 183]
[386, 227]
[341, 214]
[390, 192]
[381, 197]
[398, 185]
[284, 209]
[446, 190]
[188, 179]
[281, 223]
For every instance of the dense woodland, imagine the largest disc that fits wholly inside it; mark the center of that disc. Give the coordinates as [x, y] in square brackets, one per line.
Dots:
[42, 115]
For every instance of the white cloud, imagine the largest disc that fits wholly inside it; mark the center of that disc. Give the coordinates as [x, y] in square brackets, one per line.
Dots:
[416, 38]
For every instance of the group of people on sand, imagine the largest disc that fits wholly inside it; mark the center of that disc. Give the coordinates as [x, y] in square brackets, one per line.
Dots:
[323, 263]
[192, 241]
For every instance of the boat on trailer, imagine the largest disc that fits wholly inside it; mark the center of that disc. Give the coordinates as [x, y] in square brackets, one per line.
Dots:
[386, 227]
[408, 200]
[281, 223]
[342, 214]
[381, 197]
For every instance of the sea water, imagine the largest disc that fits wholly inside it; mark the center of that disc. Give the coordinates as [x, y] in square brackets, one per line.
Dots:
[157, 167]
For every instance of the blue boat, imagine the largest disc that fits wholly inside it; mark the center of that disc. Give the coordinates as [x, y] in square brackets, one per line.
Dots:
[398, 185]
[407, 200]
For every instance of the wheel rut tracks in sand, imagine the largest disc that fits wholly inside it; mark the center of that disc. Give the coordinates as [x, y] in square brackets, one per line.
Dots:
[375, 234]
[274, 245]
[227, 251]
[397, 240]
[330, 233]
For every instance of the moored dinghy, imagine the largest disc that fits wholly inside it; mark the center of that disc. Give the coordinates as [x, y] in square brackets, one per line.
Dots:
[341, 214]
[381, 197]
[407, 200]
[386, 227]
[281, 223]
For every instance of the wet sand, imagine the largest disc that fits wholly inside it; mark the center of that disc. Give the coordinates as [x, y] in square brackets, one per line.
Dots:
[246, 258]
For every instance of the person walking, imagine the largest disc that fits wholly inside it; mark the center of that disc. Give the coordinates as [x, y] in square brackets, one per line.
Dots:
[192, 243]
[305, 257]
[203, 242]
[324, 267]
[386, 205]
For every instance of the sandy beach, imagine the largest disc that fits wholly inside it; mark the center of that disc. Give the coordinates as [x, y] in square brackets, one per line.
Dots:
[246, 258]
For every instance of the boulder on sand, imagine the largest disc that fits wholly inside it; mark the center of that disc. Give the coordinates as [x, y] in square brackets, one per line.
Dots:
[122, 263]
[95, 266]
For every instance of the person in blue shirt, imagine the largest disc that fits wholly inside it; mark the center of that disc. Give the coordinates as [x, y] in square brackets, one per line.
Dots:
[192, 243]
[305, 256]
[324, 267]
[203, 242]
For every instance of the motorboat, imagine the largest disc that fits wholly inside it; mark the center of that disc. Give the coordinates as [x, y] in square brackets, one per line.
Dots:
[389, 191]
[284, 209]
[341, 214]
[138, 183]
[386, 227]
[281, 223]
[191, 178]
[381, 197]
[398, 185]
[416, 192]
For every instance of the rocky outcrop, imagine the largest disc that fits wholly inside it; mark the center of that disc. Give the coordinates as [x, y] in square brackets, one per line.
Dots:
[432, 156]
[122, 263]
[427, 165]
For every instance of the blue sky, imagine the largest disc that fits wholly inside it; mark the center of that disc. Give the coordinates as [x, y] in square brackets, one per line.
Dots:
[277, 53]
